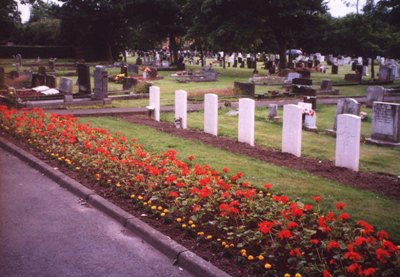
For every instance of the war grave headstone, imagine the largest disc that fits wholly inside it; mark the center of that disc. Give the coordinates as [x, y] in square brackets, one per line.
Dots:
[385, 128]
[181, 109]
[346, 106]
[326, 88]
[211, 114]
[245, 89]
[154, 102]
[291, 129]
[84, 78]
[100, 90]
[246, 121]
[348, 141]
[374, 93]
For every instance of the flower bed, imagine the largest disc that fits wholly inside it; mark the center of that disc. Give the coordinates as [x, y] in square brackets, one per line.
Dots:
[273, 234]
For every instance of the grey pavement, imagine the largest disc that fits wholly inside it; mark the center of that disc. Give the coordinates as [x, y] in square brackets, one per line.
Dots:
[47, 231]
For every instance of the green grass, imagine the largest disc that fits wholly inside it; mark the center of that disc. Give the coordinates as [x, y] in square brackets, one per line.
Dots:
[361, 204]
[318, 146]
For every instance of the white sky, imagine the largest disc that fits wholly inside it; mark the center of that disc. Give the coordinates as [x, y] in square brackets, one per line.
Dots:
[336, 8]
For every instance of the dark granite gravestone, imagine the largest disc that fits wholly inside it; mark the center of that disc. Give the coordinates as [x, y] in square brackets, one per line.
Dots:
[385, 73]
[38, 80]
[302, 81]
[129, 82]
[245, 89]
[335, 69]
[374, 93]
[42, 70]
[139, 61]
[52, 65]
[100, 83]
[356, 78]
[51, 81]
[124, 70]
[84, 78]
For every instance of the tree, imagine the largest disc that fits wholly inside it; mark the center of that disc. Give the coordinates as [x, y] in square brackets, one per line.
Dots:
[10, 19]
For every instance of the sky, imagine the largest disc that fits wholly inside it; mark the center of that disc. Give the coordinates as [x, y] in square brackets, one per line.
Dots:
[336, 8]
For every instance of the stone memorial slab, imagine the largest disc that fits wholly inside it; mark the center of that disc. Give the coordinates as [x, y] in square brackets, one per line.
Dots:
[246, 121]
[272, 111]
[310, 121]
[348, 141]
[326, 85]
[18, 60]
[374, 93]
[100, 90]
[65, 85]
[181, 109]
[302, 82]
[84, 78]
[291, 76]
[346, 106]
[386, 122]
[154, 101]
[42, 70]
[355, 78]
[211, 114]
[291, 129]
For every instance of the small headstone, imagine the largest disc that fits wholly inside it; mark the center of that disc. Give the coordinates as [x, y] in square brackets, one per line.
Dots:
[139, 61]
[302, 82]
[335, 69]
[154, 101]
[291, 76]
[385, 73]
[181, 108]
[348, 141]
[51, 81]
[272, 111]
[245, 89]
[65, 85]
[291, 129]
[84, 78]
[129, 82]
[374, 93]
[326, 85]
[124, 70]
[246, 121]
[18, 60]
[346, 106]
[133, 68]
[38, 80]
[165, 64]
[211, 114]
[386, 122]
[356, 78]
[52, 65]
[42, 70]
[100, 90]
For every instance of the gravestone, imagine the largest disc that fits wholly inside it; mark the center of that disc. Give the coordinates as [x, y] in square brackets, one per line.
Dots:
[291, 76]
[335, 69]
[346, 106]
[356, 78]
[133, 68]
[1, 76]
[139, 61]
[100, 83]
[181, 109]
[42, 70]
[38, 80]
[211, 114]
[348, 141]
[272, 111]
[385, 73]
[65, 86]
[326, 85]
[18, 60]
[291, 129]
[51, 81]
[302, 81]
[52, 65]
[124, 70]
[386, 123]
[129, 82]
[374, 93]
[245, 89]
[84, 78]
[165, 64]
[246, 121]
[311, 100]
[154, 102]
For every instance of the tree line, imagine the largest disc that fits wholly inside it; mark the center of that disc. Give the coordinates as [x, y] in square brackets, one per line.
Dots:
[103, 29]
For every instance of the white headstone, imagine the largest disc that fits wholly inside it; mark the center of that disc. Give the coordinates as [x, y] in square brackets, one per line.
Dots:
[348, 141]
[246, 121]
[211, 114]
[291, 130]
[154, 101]
[181, 107]
[310, 121]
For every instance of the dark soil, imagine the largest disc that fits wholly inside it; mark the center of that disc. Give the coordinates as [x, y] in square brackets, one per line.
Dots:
[382, 183]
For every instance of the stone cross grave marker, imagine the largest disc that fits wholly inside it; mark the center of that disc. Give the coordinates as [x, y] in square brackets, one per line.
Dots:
[154, 102]
[246, 120]
[100, 90]
[291, 129]
[211, 114]
[386, 122]
[84, 78]
[374, 93]
[348, 141]
[346, 106]
[181, 109]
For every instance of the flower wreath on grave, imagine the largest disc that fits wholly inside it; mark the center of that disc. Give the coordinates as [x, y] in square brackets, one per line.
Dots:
[309, 112]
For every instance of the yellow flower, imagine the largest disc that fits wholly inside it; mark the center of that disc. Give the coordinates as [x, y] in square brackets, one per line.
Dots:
[162, 214]
[118, 185]
[297, 275]
[209, 237]
[218, 239]
[77, 168]
[145, 204]
[244, 254]
[232, 245]
[268, 194]
[200, 234]
[153, 207]
[193, 225]
[179, 219]
[260, 257]
[226, 246]
[149, 202]
[250, 258]
[286, 275]
[166, 211]
[159, 208]
[223, 243]
[132, 196]
[190, 222]
[267, 266]
[184, 226]
[140, 197]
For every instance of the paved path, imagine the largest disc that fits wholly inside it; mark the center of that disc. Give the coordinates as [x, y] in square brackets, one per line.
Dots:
[46, 231]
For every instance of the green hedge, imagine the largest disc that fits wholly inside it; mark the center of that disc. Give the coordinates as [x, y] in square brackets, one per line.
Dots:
[31, 51]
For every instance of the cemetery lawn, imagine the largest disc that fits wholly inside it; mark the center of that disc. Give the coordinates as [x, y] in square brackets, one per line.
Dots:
[318, 146]
[360, 204]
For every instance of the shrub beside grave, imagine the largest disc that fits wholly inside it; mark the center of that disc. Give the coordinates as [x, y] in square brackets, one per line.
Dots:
[259, 228]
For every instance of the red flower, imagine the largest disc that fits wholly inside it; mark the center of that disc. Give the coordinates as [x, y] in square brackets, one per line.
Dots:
[292, 225]
[388, 245]
[333, 245]
[326, 273]
[340, 206]
[265, 226]
[314, 241]
[369, 271]
[344, 217]
[367, 229]
[308, 207]
[382, 255]
[381, 235]
[205, 192]
[226, 170]
[267, 186]
[317, 199]
[172, 194]
[355, 269]
[284, 234]
[295, 253]
[196, 208]
[353, 256]
[190, 158]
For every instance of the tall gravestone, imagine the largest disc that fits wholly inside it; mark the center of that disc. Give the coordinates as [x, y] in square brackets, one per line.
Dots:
[181, 109]
[386, 123]
[211, 114]
[52, 65]
[374, 93]
[348, 141]
[346, 106]
[246, 121]
[154, 101]
[291, 129]
[84, 78]
[100, 83]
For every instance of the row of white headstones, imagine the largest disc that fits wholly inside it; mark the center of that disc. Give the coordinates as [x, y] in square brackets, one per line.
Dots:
[347, 133]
